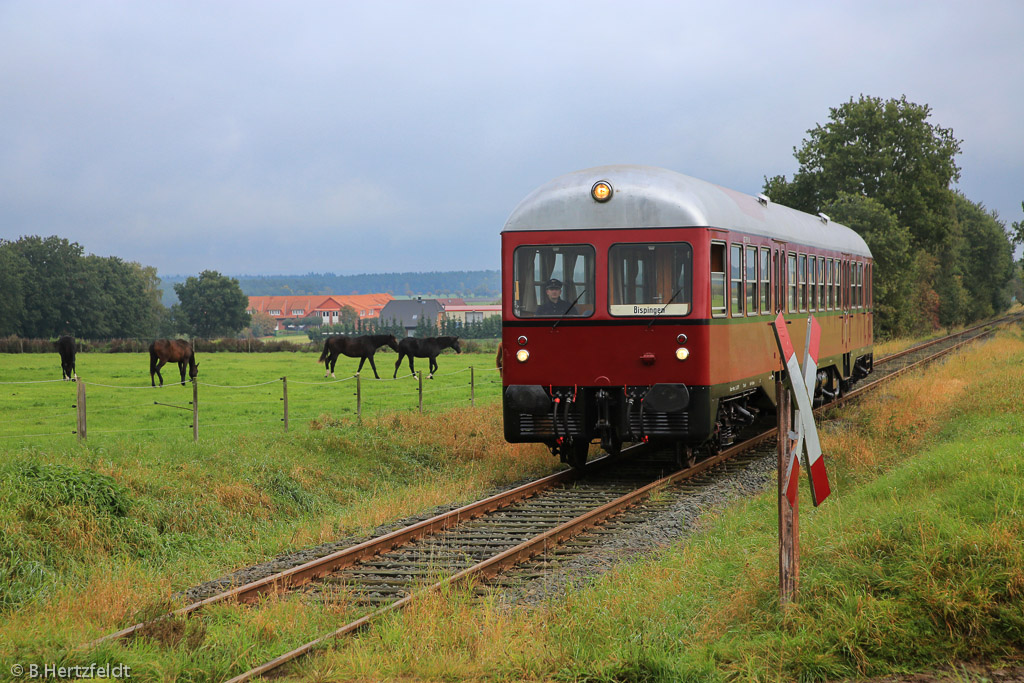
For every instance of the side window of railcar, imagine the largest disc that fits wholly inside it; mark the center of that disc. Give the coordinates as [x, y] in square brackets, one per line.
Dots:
[792, 283]
[717, 279]
[766, 269]
[841, 278]
[853, 285]
[736, 278]
[860, 285]
[650, 279]
[821, 284]
[812, 283]
[553, 280]
[750, 281]
[839, 285]
[828, 283]
[803, 282]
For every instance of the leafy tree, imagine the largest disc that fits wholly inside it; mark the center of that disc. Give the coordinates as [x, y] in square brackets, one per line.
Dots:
[889, 152]
[13, 269]
[1018, 230]
[57, 294]
[212, 305]
[262, 324]
[890, 244]
[51, 288]
[348, 315]
[884, 150]
[987, 258]
[125, 298]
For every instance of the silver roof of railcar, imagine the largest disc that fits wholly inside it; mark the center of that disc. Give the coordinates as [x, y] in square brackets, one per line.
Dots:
[650, 197]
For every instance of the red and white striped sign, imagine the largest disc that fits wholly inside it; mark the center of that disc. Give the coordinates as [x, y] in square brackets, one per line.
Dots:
[803, 391]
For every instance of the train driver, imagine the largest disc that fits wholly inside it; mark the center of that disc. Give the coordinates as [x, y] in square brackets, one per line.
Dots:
[555, 304]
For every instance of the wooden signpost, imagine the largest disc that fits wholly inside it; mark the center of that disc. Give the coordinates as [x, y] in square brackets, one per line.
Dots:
[795, 446]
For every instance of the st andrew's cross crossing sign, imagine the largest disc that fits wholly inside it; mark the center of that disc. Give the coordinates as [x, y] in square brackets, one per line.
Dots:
[803, 391]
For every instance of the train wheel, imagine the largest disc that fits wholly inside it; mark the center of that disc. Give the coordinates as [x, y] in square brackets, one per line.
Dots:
[576, 454]
[685, 456]
[611, 444]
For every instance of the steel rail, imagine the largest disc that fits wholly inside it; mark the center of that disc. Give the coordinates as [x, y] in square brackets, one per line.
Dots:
[314, 569]
[923, 361]
[998, 321]
[513, 556]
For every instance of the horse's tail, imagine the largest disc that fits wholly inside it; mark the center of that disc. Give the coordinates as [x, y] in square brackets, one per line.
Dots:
[323, 355]
[152, 359]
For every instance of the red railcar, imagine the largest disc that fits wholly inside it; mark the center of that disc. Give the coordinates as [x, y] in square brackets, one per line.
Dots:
[637, 304]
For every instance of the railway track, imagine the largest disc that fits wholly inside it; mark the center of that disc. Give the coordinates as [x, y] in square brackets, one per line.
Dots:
[530, 523]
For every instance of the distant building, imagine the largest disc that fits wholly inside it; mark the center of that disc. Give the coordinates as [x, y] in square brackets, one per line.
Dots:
[328, 308]
[471, 313]
[409, 312]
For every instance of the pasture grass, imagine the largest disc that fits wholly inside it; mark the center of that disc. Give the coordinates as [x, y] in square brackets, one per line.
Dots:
[238, 392]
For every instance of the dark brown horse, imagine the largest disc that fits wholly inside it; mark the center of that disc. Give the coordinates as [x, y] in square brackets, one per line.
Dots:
[164, 351]
[66, 349]
[362, 348]
[428, 347]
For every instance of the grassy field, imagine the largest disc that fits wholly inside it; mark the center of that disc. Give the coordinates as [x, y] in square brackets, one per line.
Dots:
[237, 392]
[916, 560]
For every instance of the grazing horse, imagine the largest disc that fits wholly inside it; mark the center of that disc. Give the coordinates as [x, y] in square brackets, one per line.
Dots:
[428, 347]
[164, 351]
[498, 360]
[66, 349]
[362, 348]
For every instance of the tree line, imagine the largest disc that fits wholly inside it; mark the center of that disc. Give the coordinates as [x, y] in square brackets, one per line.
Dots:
[883, 169]
[49, 287]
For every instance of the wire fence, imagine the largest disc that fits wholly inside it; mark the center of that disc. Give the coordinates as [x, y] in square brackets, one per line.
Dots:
[44, 409]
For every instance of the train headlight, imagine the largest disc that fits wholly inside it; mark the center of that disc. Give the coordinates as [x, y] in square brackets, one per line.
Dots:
[522, 355]
[601, 191]
[682, 353]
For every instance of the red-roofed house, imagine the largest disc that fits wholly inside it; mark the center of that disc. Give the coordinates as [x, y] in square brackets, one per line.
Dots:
[326, 307]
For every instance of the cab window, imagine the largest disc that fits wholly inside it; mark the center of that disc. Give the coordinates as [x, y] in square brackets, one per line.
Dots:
[535, 266]
[650, 279]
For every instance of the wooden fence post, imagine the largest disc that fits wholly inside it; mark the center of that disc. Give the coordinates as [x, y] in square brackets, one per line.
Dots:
[789, 539]
[284, 388]
[420, 375]
[472, 388]
[80, 404]
[195, 411]
[359, 396]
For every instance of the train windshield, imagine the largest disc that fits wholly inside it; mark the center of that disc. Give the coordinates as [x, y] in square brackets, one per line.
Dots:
[650, 279]
[555, 280]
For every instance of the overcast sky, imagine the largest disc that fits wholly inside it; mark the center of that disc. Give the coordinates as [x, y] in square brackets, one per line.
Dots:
[264, 137]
